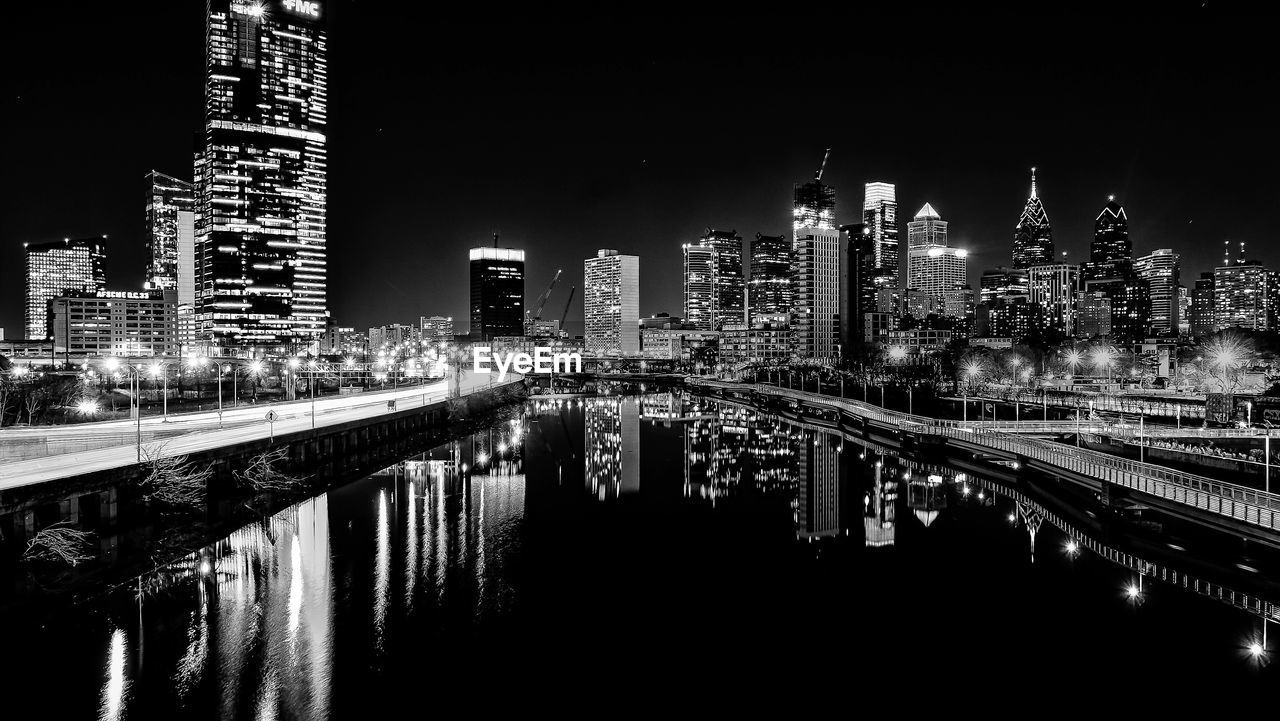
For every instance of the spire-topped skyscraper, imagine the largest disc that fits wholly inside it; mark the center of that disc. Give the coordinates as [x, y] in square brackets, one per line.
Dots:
[1033, 236]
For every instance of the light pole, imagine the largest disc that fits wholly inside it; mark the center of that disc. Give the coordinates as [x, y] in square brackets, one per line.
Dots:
[156, 370]
[135, 386]
[220, 369]
[311, 365]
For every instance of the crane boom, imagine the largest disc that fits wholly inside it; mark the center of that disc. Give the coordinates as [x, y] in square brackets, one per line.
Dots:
[818, 175]
[565, 314]
[546, 295]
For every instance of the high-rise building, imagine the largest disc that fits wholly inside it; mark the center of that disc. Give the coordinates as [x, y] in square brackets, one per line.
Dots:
[1033, 236]
[60, 268]
[926, 229]
[1241, 296]
[1111, 242]
[730, 280]
[880, 216]
[769, 291]
[115, 323]
[1161, 272]
[1093, 315]
[999, 282]
[1184, 310]
[1203, 319]
[701, 280]
[611, 304]
[497, 293]
[814, 207]
[1053, 290]
[170, 214]
[436, 328]
[857, 284]
[261, 177]
[815, 317]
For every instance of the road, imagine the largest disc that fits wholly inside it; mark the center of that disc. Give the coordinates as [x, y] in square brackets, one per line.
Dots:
[238, 426]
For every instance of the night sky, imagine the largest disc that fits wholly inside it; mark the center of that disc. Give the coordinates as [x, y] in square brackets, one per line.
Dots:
[638, 133]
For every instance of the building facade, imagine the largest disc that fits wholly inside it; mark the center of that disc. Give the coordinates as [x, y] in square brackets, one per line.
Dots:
[110, 324]
[701, 281]
[730, 282]
[1033, 235]
[769, 291]
[1054, 289]
[1241, 297]
[1161, 272]
[60, 268]
[497, 293]
[261, 182]
[815, 317]
[880, 216]
[611, 304]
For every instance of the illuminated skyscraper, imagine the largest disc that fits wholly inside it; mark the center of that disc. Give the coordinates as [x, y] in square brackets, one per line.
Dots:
[880, 216]
[701, 273]
[497, 293]
[1203, 321]
[933, 268]
[1111, 242]
[815, 316]
[611, 304]
[170, 225]
[1242, 296]
[1053, 291]
[60, 268]
[770, 286]
[1110, 271]
[1161, 272]
[927, 229]
[261, 178]
[730, 288]
[814, 207]
[1033, 236]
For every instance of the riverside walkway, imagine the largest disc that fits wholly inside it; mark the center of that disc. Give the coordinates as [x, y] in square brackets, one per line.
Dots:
[1247, 505]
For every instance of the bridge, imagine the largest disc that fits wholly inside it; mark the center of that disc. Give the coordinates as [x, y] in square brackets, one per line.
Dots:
[124, 441]
[1177, 490]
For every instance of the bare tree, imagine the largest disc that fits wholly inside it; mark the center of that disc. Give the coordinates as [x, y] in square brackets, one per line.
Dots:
[60, 542]
[171, 480]
[261, 474]
[33, 401]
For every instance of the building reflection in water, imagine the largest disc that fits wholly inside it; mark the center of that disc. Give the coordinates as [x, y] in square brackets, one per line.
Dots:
[817, 513]
[926, 497]
[113, 690]
[611, 446]
[878, 504]
[728, 449]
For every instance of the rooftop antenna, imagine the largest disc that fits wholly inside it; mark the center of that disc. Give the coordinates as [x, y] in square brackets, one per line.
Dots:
[818, 175]
[1226, 252]
[495, 239]
[1033, 182]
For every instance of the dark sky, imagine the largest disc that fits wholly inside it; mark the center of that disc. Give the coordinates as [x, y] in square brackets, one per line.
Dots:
[637, 133]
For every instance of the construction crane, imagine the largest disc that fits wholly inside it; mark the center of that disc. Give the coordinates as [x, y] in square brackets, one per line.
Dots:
[818, 175]
[565, 314]
[542, 299]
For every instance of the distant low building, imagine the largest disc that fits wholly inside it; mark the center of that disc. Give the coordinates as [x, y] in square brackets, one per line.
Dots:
[919, 340]
[116, 323]
[766, 340]
[675, 344]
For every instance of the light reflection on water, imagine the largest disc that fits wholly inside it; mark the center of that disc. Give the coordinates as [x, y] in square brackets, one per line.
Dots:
[426, 544]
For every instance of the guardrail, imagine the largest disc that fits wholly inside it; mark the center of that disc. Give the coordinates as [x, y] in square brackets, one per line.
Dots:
[1239, 502]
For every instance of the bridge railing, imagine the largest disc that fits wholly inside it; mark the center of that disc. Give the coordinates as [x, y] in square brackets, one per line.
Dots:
[1247, 504]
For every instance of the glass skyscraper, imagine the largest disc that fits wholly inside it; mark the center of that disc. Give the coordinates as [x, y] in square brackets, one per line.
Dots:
[497, 293]
[170, 205]
[261, 185]
[1033, 236]
[701, 273]
[880, 217]
[60, 268]
[770, 285]
[730, 290]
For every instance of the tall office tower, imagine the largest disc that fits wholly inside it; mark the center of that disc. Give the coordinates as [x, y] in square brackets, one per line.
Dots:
[1184, 310]
[611, 304]
[926, 229]
[1053, 289]
[818, 495]
[999, 282]
[497, 292]
[1093, 315]
[880, 215]
[701, 276]
[770, 285]
[261, 178]
[730, 280]
[1203, 319]
[60, 268]
[1161, 272]
[814, 206]
[815, 317]
[1111, 242]
[170, 206]
[1033, 236]
[857, 284]
[934, 270]
[1242, 297]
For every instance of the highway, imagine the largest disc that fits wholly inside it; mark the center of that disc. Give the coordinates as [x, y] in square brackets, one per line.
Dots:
[238, 425]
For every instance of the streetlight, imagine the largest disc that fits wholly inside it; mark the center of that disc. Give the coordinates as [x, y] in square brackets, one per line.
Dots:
[311, 365]
[135, 385]
[255, 372]
[156, 369]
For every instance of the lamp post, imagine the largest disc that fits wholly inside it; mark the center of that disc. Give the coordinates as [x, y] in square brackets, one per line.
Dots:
[156, 370]
[135, 384]
[311, 366]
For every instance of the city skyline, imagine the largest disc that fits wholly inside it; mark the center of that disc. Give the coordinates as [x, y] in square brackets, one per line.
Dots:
[982, 183]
